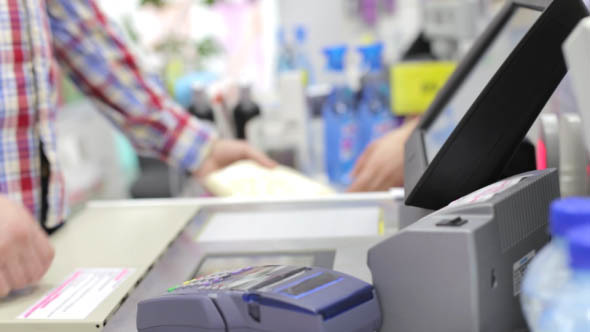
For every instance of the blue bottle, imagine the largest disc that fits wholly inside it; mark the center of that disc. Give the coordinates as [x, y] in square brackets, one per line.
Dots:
[569, 310]
[548, 272]
[374, 112]
[340, 128]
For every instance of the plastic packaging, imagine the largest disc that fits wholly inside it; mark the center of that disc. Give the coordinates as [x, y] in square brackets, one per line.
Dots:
[568, 310]
[374, 112]
[340, 127]
[548, 272]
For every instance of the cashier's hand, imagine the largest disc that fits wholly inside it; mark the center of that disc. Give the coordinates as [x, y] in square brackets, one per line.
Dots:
[225, 152]
[381, 166]
[25, 250]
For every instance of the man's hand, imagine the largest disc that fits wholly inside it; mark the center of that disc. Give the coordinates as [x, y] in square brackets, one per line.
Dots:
[25, 250]
[381, 166]
[225, 152]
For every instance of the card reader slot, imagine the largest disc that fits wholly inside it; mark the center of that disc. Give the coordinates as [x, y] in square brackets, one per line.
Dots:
[310, 285]
[278, 278]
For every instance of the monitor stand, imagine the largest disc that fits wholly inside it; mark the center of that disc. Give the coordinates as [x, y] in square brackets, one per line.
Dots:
[523, 160]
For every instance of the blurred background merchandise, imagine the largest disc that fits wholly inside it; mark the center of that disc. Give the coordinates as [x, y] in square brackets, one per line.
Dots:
[258, 70]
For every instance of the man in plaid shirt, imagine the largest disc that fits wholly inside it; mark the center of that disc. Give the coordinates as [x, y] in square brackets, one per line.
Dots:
[36, 35]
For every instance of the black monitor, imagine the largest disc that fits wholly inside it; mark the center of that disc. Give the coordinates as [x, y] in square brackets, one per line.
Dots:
[482, 114]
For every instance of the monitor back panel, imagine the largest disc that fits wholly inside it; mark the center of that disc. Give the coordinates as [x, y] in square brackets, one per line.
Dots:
[485, 138]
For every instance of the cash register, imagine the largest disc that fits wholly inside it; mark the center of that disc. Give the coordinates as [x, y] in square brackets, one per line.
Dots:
[455, 270]
[460, 268]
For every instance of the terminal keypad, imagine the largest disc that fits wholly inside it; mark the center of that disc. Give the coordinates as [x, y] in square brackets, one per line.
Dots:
[209, 282]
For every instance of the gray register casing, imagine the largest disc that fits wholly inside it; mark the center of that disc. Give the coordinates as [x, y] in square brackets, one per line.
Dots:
[464, 278]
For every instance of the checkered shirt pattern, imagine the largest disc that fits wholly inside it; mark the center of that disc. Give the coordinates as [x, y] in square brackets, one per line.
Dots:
[38, 35]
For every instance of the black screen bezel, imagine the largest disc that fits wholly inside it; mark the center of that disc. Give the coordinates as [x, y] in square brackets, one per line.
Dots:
[456, 85]
[433, 185]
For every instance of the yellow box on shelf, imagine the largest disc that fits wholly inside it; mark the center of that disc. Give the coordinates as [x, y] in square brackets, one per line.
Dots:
[414, 84]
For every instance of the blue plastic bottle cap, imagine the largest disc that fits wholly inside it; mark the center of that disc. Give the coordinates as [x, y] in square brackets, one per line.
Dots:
[300, 33]
[579, 247]
[335, 56]
[372, 56]
[568, 213]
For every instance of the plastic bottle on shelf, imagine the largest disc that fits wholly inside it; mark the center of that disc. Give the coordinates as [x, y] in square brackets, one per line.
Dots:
[286, 58]
[548, 272]
[245, 110]
[569, 309]
[301, 55]
[375, 116]
[340, 128]
[200, 106]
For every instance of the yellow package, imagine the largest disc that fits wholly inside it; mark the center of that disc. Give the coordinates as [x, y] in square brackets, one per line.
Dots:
[415, 84]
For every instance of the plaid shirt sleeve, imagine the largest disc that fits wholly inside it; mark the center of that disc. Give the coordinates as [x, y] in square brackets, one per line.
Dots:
[95, 57]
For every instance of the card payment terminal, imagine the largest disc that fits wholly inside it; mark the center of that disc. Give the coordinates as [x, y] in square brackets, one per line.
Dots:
[266, 298]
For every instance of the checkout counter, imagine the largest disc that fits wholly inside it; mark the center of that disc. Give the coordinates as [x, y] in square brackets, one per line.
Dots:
[160, 243]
